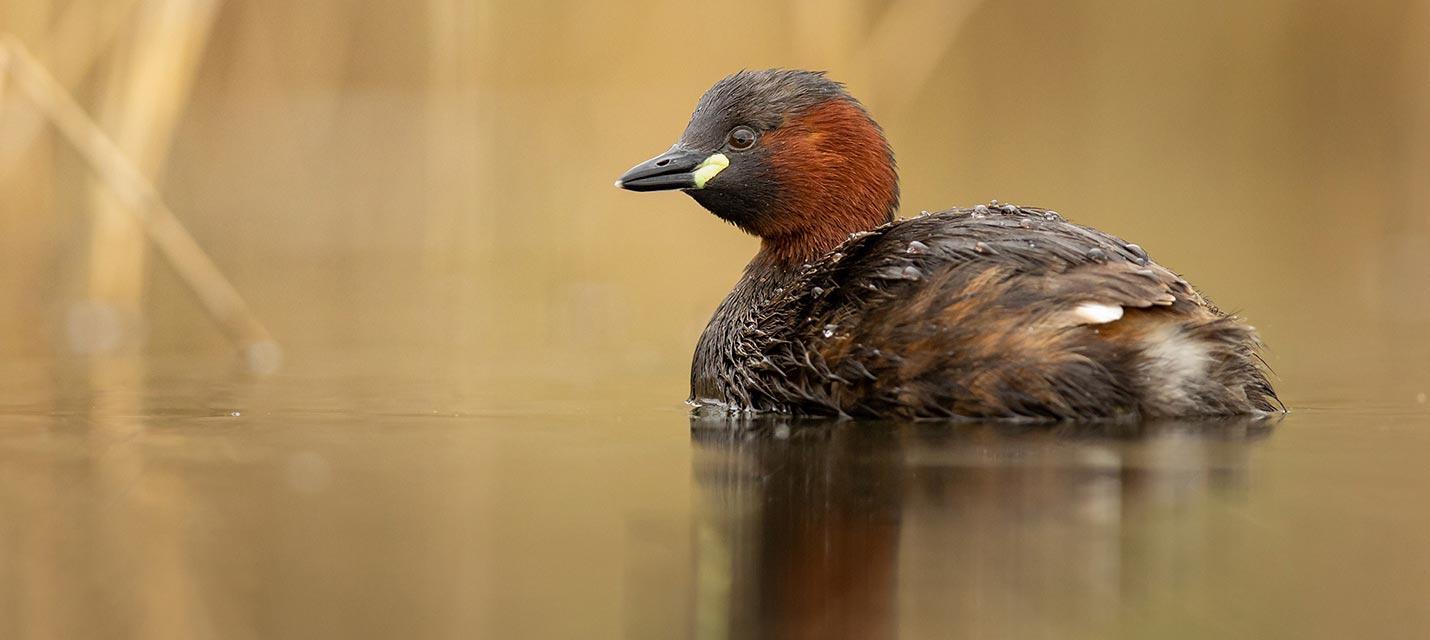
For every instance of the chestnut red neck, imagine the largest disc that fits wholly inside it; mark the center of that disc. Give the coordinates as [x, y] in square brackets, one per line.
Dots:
[837, 177]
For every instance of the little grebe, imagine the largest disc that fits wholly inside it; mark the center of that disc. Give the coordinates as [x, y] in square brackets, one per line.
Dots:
[998, 311]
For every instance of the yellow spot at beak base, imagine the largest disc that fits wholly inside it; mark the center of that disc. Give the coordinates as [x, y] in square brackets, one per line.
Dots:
[709, 168]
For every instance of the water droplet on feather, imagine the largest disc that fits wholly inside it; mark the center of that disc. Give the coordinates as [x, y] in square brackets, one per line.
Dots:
[1139, 252]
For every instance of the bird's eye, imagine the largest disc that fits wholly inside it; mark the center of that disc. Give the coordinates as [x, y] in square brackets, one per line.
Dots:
[741, 138]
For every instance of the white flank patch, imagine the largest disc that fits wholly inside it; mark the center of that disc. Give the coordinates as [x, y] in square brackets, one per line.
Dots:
[1097, 312]
[1174, 363]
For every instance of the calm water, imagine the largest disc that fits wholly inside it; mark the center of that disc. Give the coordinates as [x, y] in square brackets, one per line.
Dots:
[164, 498]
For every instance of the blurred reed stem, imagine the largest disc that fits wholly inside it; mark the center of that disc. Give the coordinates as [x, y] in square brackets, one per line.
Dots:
[71, 50]
[146, 85]
[139, 197]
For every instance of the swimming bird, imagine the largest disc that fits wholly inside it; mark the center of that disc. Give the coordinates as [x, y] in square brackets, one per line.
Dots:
[996, 311]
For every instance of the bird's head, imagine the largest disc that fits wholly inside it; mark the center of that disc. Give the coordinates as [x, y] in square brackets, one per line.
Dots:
[786, 155]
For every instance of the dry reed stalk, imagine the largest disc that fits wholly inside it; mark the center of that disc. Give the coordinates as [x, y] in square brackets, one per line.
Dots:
[218, 296]
[80, 35]
[138, 105]
[149, 75]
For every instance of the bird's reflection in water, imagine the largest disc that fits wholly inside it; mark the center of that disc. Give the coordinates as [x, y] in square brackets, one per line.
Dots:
[826, 529]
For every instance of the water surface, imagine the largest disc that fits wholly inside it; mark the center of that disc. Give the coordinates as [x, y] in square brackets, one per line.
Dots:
[159, 498]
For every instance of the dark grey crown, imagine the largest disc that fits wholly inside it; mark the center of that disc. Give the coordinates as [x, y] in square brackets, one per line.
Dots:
[759, 99]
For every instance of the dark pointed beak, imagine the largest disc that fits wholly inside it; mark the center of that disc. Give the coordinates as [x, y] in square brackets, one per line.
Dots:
[674, 169]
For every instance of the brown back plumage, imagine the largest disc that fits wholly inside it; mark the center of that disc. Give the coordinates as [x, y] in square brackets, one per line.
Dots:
[996, 311]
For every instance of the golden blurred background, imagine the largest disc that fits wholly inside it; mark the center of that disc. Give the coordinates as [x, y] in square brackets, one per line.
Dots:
[435, 177]
[479, 423]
